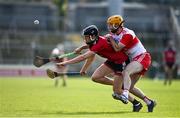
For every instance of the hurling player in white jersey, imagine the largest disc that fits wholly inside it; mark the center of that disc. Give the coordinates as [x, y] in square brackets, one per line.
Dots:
[122, 38]
[59, 50]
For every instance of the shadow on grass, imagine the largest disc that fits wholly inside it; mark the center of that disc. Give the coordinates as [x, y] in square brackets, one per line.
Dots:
[27, 113]
[84, 113]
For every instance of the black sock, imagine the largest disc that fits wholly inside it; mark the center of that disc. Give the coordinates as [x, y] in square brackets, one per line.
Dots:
[135, 102]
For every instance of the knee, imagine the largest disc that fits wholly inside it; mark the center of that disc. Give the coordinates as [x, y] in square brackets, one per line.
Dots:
[94, 78]
[125, 72]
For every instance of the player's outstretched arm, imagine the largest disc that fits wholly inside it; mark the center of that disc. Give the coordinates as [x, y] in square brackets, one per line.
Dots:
[78, 58]
[79, 49]
[87, 64]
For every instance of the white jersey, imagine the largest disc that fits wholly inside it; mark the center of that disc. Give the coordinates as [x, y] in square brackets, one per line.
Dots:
[133, 45]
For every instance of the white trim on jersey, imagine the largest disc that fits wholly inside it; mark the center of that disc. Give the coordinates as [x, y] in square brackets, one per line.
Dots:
[124, 31]
[136, 50]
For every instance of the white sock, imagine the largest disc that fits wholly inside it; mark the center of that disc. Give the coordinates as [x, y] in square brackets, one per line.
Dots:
[125, 93]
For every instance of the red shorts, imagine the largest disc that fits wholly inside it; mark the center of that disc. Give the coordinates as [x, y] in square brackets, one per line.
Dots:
[145, 60]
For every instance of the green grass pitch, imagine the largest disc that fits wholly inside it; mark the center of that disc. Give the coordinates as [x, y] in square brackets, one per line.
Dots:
[82, 98]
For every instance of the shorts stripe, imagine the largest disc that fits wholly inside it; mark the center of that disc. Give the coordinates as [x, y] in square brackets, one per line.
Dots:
[141, 57]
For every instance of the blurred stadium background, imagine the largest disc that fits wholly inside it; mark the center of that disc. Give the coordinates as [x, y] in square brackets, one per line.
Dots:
[25, 90]
[61, 22]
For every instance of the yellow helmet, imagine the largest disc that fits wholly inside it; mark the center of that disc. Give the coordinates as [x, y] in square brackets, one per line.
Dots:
[116, 20]
[114, 23]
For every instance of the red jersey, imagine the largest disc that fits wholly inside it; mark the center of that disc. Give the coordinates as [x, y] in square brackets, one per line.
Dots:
[104, 49]
[170, 55]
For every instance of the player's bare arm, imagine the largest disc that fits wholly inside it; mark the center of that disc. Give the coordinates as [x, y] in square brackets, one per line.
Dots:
[79, 49]
[87, 64]
[116, 46]
[78, 58]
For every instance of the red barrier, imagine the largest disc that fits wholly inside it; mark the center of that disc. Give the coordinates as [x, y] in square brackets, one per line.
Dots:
[22, 72]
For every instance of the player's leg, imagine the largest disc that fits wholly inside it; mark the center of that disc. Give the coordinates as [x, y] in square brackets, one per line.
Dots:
[64, 77]
[117, 88]
[134, 90]
[140, 64]
[139, 93]
[100, 73]
[118, 83]
[131, 68]
[171, 71]
[99, 76]
[56, 81]
[166, 70]
[137, 106]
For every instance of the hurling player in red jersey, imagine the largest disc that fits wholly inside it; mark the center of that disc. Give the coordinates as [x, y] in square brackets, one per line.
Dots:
[99, 45]
[169, 62]
[124, 39]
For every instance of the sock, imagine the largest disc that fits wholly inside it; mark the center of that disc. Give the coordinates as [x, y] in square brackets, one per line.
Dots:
[135, 102]
[125, 93]
[147, 100]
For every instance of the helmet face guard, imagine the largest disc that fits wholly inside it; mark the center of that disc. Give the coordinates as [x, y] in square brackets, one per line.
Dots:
[114, 23]
[113, 28]
[89, 39]
[91, 34]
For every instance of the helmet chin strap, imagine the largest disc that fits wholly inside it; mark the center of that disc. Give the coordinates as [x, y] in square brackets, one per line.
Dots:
[92, 41]
[115, 29]
[91, 38]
